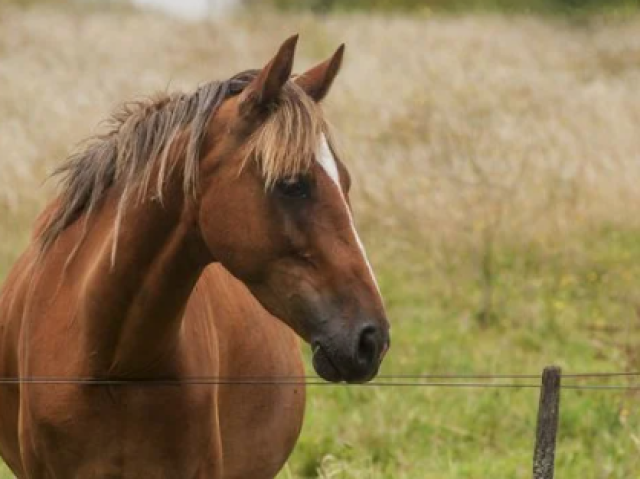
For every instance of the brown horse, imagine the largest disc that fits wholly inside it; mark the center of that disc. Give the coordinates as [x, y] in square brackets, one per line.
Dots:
[197, 238]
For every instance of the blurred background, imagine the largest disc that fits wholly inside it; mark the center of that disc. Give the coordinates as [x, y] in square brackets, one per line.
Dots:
[495, 155]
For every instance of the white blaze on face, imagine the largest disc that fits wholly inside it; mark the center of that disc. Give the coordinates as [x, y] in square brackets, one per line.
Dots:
[329, 165]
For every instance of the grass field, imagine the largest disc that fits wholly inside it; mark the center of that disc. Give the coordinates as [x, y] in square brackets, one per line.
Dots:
[496, 163]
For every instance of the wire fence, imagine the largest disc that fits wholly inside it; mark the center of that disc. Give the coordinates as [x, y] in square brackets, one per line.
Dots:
[548, 410]
[490, 381]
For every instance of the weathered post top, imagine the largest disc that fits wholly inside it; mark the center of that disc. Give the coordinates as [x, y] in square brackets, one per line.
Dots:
[547, 429]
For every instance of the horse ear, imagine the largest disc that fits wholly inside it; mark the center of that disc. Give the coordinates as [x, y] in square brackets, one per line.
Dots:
[265, 88]
[317, 81]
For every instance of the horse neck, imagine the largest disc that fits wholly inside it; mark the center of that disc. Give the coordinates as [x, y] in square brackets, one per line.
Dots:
[131, 308]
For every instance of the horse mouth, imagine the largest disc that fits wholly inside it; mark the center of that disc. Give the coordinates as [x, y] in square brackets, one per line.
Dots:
[324, 366]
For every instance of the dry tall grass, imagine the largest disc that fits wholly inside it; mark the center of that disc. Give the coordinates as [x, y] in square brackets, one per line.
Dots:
[456, 129]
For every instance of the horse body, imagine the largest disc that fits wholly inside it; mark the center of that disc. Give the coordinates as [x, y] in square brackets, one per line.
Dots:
[245, 243]
[231, 431]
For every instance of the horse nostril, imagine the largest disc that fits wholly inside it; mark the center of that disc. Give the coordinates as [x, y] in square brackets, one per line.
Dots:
[368, 349]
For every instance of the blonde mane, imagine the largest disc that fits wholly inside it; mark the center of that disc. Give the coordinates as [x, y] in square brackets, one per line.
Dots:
[140, 141]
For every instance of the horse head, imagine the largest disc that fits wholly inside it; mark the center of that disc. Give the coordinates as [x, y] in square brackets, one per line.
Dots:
[273, 209]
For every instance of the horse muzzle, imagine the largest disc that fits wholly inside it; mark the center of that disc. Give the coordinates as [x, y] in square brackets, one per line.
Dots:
[357, 361]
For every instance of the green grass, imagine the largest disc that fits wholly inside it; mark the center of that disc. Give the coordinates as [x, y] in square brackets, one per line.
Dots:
[4, 472]
[578, 313]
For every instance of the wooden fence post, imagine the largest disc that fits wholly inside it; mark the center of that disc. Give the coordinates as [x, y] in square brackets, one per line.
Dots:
[547, 428]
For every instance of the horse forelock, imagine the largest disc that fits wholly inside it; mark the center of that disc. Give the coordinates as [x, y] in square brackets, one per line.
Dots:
[285, 145]
[138, 147]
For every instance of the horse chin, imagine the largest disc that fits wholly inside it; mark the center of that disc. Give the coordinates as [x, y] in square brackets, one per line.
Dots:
[324, 366]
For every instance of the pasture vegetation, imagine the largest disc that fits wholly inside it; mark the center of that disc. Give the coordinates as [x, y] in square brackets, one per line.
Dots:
[496, 170]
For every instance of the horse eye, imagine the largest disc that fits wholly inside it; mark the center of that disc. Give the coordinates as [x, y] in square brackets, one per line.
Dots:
[294, 187]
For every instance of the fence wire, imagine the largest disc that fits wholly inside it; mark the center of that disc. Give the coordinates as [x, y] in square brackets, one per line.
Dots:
[383, 380]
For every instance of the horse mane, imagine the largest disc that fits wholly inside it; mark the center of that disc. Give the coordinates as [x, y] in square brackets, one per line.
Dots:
[139, 140]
